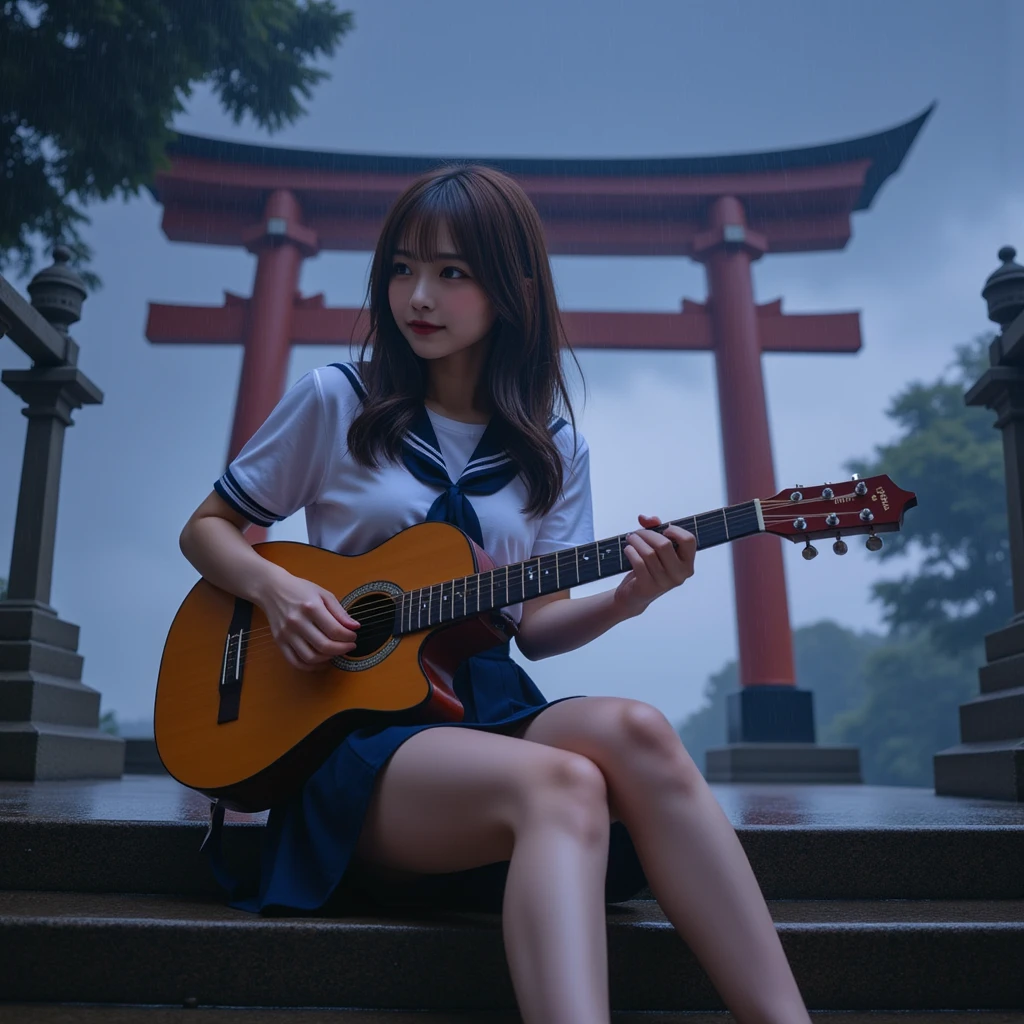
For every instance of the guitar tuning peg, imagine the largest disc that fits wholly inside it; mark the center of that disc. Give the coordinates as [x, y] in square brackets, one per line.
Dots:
[809, 552]
[840, 547]
[873, 543]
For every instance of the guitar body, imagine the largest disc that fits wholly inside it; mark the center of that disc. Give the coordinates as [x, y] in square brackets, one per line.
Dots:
[250, 729]
[234, 720]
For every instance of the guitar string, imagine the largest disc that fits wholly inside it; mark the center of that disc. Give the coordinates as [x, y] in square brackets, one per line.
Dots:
[384, 610]
[387, 608]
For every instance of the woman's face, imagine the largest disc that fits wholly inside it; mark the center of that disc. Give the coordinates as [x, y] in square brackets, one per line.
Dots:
[439, 307]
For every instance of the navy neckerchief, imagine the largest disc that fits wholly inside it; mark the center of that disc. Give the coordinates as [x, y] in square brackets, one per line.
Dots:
[489, 468]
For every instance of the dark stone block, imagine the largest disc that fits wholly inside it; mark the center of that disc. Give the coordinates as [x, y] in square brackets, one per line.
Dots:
[993, 716]
[21, 620]
[27, 696]
[1006, 642]
[783, 762]
[770, 714]
[993, 770]
[38, 750]
[141, 757]
[33, 656]
[1005, 674]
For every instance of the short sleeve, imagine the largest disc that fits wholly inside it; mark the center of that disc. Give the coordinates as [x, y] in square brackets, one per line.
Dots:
[280, 469]
[570, 521]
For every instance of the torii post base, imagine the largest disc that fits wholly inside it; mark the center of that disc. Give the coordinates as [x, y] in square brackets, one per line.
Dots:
[783, 762]
[771, 739]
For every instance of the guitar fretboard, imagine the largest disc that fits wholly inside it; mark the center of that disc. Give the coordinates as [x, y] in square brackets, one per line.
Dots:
[546, 574]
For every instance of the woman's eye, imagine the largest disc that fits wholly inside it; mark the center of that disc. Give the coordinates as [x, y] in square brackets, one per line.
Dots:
[454, 270]
[399, 268]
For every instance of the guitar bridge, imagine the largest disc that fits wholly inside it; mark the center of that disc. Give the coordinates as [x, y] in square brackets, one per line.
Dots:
[232, 671]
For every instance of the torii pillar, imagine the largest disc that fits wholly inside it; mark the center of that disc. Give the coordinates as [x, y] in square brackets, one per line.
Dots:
[280, 242]
[770, 724]
[723, 211]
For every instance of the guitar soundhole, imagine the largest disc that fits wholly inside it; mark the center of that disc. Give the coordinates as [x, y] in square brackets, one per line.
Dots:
[375, 613]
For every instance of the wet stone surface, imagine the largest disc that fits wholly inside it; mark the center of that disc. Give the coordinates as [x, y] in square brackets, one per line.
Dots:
[748, 806]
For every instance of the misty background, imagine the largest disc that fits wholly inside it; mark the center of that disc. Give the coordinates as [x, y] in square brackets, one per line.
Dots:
[563, 79]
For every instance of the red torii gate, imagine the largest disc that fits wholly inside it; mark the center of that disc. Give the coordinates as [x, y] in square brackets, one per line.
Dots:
[724, 211]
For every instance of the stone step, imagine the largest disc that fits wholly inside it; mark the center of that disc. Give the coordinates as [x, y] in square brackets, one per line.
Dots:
[993, 716]
[1001, 674]
[64, 1013]
[791, 862]
[856, 955]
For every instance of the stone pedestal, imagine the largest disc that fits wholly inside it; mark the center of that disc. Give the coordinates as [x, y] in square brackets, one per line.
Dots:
[771, 739]
[989, 760]
[783, 762]
[48, 718]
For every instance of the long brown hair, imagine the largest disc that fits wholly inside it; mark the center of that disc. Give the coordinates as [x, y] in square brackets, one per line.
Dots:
[497, 231]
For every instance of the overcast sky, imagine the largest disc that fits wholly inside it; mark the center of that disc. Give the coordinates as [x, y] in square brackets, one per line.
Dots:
[554, 78]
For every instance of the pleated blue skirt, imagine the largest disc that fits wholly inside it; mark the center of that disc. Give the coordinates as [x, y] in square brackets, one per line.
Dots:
[310, 840]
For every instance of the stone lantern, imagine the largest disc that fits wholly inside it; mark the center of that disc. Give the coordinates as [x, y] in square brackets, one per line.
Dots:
[989, 760]
[49, 720]
[58, 292]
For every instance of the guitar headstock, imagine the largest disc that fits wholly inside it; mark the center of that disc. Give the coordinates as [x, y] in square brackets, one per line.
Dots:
[802, 514]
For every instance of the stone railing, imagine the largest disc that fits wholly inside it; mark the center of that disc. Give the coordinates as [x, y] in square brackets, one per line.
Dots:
[49, 720]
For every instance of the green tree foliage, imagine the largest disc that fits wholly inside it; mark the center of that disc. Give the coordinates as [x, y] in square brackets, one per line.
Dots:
[910, 710]
[950, 456]
[88, 88]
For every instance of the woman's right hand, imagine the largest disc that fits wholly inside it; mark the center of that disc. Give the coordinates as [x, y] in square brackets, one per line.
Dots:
[308, 622]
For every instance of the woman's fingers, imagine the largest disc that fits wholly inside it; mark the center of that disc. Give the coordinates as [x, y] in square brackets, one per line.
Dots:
[644, 544]
[667, 556]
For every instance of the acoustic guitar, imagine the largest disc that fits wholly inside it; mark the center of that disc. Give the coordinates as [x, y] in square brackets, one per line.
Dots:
[236, 721]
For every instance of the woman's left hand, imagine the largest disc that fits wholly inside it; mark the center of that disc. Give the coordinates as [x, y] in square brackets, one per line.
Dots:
[661, 561]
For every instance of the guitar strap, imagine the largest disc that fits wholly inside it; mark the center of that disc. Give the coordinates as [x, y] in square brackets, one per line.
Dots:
[213, 846]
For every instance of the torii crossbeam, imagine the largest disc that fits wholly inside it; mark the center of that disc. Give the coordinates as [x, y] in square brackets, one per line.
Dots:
[726, 211]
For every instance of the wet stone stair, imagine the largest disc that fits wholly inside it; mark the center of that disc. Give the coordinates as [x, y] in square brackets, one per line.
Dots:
[892, 905]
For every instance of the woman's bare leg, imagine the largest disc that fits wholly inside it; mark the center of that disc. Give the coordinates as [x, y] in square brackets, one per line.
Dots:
[451, 799]
[690, 852]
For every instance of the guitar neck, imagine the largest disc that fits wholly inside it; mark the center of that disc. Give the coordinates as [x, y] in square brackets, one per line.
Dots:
[547, 574]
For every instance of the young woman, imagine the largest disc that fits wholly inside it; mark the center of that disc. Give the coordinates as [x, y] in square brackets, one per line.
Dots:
[543, 809]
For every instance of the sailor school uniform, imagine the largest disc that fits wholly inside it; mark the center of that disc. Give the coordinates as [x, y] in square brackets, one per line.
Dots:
[449, 471]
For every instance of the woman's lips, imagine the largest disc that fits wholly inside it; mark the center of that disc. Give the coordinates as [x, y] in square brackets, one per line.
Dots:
[420, 327]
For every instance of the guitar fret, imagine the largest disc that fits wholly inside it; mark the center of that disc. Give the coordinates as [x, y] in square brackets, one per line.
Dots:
[461, 597]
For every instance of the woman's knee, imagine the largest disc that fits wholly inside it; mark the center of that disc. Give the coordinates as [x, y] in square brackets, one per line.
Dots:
[566, 790]
[647, 743]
